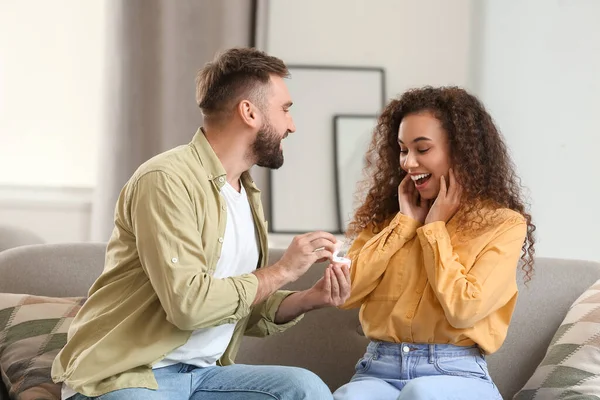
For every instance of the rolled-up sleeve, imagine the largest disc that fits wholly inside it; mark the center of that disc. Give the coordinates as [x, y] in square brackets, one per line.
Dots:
[168, 240]
[262, 320]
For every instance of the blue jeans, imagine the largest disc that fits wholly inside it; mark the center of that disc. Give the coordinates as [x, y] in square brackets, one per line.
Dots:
[407, 371]
[234, 382]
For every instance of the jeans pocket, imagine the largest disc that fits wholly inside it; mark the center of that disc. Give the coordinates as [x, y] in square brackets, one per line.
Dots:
[468, 367]
[364, 363]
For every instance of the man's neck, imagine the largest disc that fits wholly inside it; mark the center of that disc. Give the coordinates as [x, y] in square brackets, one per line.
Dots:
[231, 151]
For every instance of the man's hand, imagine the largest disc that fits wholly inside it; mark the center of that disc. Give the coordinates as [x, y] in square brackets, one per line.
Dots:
[304, 251]
[332, 290]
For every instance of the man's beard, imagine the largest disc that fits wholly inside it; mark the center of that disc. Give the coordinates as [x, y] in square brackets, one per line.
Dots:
[266, 148]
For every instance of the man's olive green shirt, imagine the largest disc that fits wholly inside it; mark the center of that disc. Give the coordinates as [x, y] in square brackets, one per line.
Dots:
[157, 285]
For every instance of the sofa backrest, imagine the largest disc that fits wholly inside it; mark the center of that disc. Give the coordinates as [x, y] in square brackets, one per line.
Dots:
[56, 270]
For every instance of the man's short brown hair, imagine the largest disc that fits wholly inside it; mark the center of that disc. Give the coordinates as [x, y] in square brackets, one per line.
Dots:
[234, 75]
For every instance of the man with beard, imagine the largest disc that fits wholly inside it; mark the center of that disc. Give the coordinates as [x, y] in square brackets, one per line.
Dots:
[186, 272]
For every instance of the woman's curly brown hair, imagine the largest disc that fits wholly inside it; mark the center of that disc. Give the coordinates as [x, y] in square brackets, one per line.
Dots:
[477, 152]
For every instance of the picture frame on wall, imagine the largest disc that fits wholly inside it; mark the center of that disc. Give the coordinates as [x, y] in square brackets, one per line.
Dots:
[303, 193]
[352, 135]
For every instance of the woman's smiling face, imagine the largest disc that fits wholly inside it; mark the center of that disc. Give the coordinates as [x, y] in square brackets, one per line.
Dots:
[424, 152]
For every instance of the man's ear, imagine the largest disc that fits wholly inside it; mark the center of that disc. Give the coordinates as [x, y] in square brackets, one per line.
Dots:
[249, 114]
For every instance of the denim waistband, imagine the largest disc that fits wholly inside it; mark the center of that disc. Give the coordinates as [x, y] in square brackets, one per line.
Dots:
[423, 349]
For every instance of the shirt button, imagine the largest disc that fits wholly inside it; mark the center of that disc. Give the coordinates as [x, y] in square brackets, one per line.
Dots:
[406, 349]
[220, 240]
[224, 208]
[419, 291]
[409, 315]
[174, 260]
[429, 232]
[474, 295]
[221, 179]
[210, 176]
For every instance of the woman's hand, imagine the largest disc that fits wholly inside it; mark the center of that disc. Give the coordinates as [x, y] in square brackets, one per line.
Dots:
[411, 204]
[447, 202]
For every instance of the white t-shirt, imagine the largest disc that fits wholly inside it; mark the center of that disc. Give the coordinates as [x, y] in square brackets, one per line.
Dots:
[239, 255]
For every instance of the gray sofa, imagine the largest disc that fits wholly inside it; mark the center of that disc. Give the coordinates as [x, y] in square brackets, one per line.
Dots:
[328, 342]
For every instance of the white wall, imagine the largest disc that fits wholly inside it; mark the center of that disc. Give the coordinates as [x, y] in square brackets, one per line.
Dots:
[540, 78]
[51, 106]
[533, 62]
[417, 42]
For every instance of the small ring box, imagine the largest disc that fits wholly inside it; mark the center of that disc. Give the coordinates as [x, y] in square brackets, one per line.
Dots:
[341, 260]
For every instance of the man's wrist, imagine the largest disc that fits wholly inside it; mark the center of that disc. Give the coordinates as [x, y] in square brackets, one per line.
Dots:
[309, 301]
[292, 307]
[282, 272]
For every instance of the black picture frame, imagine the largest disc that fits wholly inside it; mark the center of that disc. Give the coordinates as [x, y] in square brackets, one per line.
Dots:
[339, 229]
[337, 135]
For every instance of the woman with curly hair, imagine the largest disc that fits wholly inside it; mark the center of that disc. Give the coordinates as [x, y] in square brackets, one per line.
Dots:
[435, 251]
